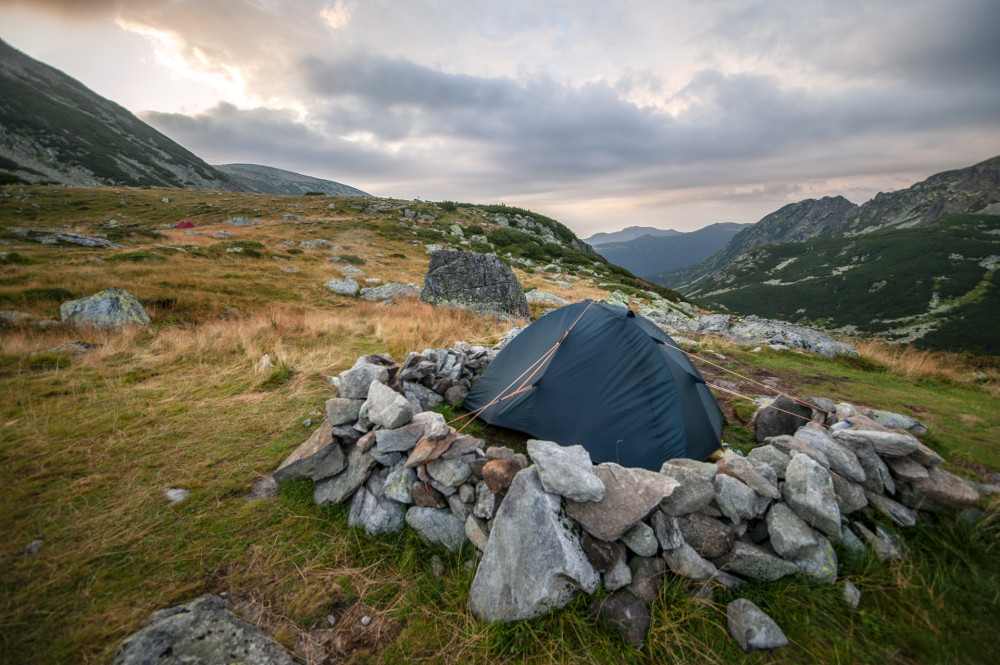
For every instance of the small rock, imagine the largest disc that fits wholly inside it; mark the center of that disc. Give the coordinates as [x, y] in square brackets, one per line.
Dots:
[34, 547]
[175, 495]
[627, 613]
[852, 596]
[752, 628]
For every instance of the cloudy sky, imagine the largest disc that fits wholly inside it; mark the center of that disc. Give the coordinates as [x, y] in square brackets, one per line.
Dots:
[600, 113]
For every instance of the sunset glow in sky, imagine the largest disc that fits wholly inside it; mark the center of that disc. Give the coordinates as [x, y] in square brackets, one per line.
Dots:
[668, 113]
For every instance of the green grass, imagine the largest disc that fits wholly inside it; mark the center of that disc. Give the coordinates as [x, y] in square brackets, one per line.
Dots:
[136, 257]
[895, 275]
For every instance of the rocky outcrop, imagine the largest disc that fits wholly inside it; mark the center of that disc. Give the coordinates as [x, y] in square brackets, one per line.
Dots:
[779, 335]
[480, 282]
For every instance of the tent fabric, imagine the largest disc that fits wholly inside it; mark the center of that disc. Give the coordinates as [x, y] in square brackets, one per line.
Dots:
[617, 385]
[184, 224]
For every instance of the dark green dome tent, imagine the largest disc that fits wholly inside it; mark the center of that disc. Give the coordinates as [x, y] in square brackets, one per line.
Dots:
[616, 384]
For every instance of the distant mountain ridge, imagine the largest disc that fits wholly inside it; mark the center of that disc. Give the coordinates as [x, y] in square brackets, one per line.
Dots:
[649, 255]
[919, 265]
[794, 222]
[628, 233]
[54, 129]
[269, 180]
[975, 189]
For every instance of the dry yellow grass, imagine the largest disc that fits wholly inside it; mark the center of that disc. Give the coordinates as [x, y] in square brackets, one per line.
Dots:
[912, 363]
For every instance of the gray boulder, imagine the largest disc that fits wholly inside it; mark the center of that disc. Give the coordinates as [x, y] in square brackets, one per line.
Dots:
[851, 497]
[542, 298]
[755, 562]
[450, 472]
[437, 525]
[735, 499]
[897, 421]
[626, 613]
[533, 561]
[486, 502]
[566, 471]
[630, 495]
[344, 287]
[372, 510]
[896, 512]
[771, 456]
[782, 416]
[791, 446]
[945, 492]
[887, 444]
[110, 308]
[425, 397]
[340, 487]
[709, 537]
[355, 382]
[694, 491]
[390, 291]
[684, 561]
[869, 460]
[398, 483]
[647, 577]
[385, 407]
[752, 628]
[480, 282]
[401, 439]
[201, 632]
[477, 532]
[641, 539]
[819, 563]
[763, 481]
[340, 411]
[906, 469]
[790, 536]
[318, 458]
[842, 460]
[809, 492]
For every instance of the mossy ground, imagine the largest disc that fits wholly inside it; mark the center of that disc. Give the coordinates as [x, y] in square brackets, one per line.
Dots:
[88, 443]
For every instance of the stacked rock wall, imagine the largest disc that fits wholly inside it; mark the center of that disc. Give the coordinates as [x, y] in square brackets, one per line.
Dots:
[550, 524]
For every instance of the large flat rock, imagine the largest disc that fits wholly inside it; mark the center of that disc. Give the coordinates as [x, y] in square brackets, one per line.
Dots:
[630, 495]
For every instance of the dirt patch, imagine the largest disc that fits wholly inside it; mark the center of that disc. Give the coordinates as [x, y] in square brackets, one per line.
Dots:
[356, 629]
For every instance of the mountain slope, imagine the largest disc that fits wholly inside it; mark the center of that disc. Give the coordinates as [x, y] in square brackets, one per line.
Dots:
[648, 254]
[628, 233]
[794, 222]
[936, 286]
[55, 129]
[269, 180]
[972, 189]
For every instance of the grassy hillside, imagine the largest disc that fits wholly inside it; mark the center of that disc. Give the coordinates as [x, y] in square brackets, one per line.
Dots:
[88, 444]
[936, 286]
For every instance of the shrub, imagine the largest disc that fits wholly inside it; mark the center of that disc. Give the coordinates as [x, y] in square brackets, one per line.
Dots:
[136, 257]
[14, 258]
[353, 259]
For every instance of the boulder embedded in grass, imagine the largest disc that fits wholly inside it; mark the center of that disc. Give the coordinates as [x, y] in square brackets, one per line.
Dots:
[110, 308]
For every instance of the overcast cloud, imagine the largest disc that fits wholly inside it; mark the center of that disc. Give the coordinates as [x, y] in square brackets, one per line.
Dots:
[602, 114]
